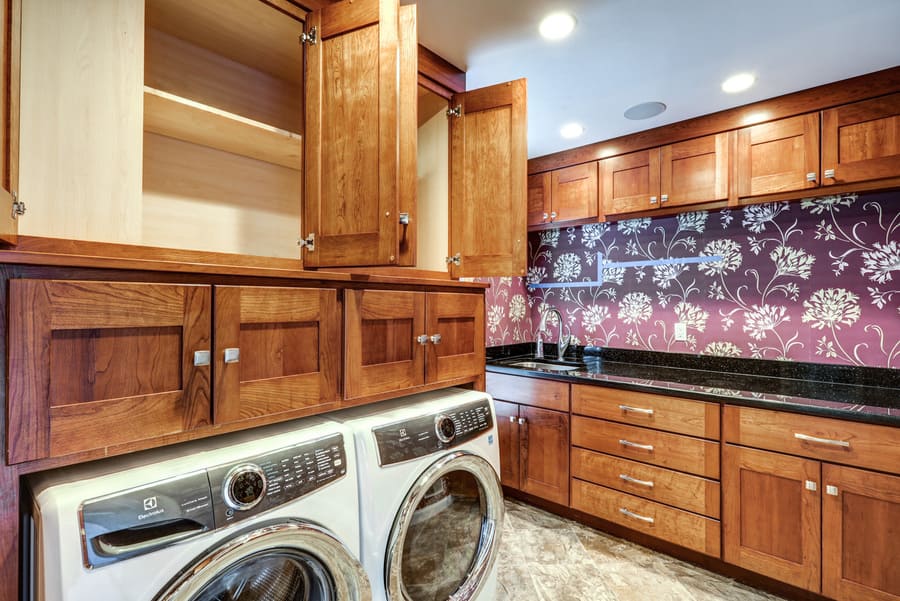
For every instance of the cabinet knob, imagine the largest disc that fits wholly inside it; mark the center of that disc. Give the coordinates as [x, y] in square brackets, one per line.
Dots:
[422, 339]
[522, 421]
[232, 355]
[829, 173]
[436, 339]
[545, 216]
[512, 419]
[201, 358]
[811, 485]
[663, 198]
[811, 177]
[831, 490]
[653, 200]
[552, 215]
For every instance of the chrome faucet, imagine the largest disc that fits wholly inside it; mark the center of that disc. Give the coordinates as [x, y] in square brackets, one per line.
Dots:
[564, 339]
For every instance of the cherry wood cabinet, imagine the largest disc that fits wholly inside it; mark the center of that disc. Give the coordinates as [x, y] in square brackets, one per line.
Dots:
[397, 340]
[94, 364]
[860, 534]
[564, 195]
[861, 141]
[780, 156]
[534, 439]
[488, 181]
[277, 350]
[10, 23]
[685, 173]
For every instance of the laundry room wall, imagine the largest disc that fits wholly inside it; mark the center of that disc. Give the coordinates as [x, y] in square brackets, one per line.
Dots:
[816, 280]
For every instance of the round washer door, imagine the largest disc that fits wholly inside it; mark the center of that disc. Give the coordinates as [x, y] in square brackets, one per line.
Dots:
[447, 532]
[277, 561]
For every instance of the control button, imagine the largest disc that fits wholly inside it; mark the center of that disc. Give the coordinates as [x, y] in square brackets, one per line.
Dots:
[244, 486]
[338, 463]
[445, 428]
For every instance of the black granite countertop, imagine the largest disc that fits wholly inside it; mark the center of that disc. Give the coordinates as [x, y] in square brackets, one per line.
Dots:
[864, 394]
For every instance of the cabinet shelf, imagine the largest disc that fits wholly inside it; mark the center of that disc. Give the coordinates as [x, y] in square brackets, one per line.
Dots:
[184, 119]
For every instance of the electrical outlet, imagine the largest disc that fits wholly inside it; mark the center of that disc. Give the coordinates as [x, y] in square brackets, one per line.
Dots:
[680, 331]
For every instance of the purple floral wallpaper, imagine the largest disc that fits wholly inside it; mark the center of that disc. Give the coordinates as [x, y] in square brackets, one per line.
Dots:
[816, 280]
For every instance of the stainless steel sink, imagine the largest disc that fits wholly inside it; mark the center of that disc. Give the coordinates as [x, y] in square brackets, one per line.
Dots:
[541, 365]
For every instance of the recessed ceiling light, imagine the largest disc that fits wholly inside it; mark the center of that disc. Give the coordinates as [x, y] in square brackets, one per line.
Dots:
[571, 130]
[556, 26]
[645, 110]
[738, 83]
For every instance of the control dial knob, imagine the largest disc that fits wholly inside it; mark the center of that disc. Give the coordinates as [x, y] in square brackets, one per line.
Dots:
[244, 486]
[444, 428]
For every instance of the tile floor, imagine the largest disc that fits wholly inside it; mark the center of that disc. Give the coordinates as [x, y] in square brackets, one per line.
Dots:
[544, 557]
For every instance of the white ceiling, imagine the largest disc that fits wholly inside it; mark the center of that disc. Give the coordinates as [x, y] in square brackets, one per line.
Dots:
[624, 52]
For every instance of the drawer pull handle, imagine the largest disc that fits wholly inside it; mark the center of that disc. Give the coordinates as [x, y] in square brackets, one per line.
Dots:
[829, 441]
[629, 408]
[628, 443]
[636, 516]
[627, 478]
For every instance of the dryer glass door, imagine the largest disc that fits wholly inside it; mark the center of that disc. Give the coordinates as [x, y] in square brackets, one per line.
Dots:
[445, 537]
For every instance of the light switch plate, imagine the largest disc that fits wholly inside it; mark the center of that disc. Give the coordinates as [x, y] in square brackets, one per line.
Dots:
[680, 331]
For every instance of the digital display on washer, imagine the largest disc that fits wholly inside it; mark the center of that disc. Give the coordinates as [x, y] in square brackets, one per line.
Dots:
[245, 488]
[427, 434]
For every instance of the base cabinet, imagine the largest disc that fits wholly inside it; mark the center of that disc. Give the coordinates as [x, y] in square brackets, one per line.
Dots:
[534, 450]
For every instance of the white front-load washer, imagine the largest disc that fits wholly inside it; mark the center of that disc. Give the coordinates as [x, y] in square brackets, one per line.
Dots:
[268, 514]
[431, 505]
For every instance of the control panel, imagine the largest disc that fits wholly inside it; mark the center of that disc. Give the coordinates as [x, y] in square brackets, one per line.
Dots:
[249, 487]
[427, 434]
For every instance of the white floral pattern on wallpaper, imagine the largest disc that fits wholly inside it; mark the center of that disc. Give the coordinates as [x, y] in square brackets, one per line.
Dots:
[814, 280]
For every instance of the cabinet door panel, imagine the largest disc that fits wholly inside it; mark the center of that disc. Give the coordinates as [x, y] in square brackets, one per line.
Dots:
[860, 534]
[630, 182]
[861, 141]
[778, 156]
[352, 91]
[539, 199]
[694, 171]
[771, 514]
[94, 364]
[10, 29]
[289, 343]
[459, 321]
[488, 181]
[508, 436]
[574, 192]
[544, 456]
[381, 352]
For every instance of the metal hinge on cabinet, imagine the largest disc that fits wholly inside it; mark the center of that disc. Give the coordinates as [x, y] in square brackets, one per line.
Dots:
[18, 207]
[455, 259]
[309, 243]
[455, 111]
[310, 37]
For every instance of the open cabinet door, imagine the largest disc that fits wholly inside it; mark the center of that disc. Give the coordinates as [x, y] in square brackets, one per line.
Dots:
[10, 21]
[488, 181]
[352, 135]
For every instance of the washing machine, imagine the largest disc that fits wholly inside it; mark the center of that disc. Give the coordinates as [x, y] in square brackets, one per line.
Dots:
[269, 514]
[431, 505]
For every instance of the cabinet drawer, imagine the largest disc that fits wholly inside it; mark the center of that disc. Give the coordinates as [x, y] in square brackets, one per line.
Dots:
[834, 440]
[673, 525]
[658, 484]
[529, 391]
[674, 451]
[694, 418]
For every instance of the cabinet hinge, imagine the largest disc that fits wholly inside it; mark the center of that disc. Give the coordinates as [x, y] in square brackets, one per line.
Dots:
[18, 207]
[455, 111]
[310, 37]
[455, 259]
[309, 243]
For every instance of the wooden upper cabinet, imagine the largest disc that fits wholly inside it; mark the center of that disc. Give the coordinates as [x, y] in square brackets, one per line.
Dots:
[690, 172]
[278, 350]
[351, 205]
[10, 26]
[96, 364]
[695, 171]
[771, 512]
[630, 182]
[539, 198]
[395, 340]
[780, 156]
[455, 326]
[488, 181]
[861, 141]
[860, 542]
